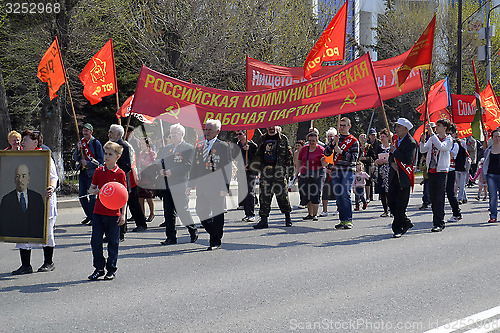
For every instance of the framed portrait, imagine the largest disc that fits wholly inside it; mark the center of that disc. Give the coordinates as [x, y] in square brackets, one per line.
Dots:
[24, 177]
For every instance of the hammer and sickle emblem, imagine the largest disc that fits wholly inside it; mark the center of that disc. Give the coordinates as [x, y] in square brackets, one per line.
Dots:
[170, 111]
[349, 100]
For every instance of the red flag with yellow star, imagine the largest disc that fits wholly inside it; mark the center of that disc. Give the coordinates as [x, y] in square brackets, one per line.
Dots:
[99, 76]
[331, 44]
[420, 55]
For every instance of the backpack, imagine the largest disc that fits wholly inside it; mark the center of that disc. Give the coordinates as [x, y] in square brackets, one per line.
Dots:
[461, 157]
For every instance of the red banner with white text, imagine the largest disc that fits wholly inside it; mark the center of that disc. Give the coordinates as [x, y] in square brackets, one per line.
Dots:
[261, 76]
[351, 88]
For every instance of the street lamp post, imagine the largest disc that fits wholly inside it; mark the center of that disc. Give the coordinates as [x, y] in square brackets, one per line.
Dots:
[488, 40]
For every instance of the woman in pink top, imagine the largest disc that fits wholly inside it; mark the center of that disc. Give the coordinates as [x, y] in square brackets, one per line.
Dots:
[311, 169]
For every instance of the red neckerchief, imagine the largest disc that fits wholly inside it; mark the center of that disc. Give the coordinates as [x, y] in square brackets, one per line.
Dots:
[344, 146]
[407, 168]
[86, 150]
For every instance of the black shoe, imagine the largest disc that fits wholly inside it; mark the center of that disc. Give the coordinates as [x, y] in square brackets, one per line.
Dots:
[437, 229]
[23, 270]
[308, 217]
[47, 267]
[213, 248]
[408, 227]
[139, 229]
[97, 274]
[86, 220]
[168, 241]
[194, 235]
[262, 223]
[163, 225]
[122, 238]
[423, 207]
[397, 236]
[109, 276]
[130, 219]
[288, 220]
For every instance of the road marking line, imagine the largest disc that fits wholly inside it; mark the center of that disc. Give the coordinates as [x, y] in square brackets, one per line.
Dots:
[461, 323]
[489, 327]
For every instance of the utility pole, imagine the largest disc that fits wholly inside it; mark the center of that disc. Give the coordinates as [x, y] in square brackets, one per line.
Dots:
[459, 49]
[487, 33]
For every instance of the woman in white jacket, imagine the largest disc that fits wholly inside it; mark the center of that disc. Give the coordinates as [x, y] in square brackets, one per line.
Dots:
[438, 148]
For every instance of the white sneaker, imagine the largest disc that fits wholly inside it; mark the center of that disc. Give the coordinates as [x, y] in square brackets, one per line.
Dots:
[323, 214]
[251, 219]
[335, 212]
[301, 207]
[455, 218]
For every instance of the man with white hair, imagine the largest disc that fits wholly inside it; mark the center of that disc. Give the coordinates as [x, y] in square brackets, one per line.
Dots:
[210, 175]
[176, 160]
[401, 176]
[126, 163]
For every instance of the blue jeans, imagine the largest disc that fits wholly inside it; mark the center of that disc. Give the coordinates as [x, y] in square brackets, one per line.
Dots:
[493, 188]
[342, 186]
[426, 198]
[108, 225]
[84, 182]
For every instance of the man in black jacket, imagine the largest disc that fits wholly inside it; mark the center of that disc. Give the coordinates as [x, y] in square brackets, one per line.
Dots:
[22, 210]
[246, 177]
[401, 176]
[210, 175]
[176, 160]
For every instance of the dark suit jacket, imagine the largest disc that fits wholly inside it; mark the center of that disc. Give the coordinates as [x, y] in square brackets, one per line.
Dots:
[179, 162]
[16, 223]
[405, 153]
[214, 174]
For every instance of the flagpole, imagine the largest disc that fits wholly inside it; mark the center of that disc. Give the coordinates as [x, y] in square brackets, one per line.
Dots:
[116, 81]
[70, 99]
[478, 100]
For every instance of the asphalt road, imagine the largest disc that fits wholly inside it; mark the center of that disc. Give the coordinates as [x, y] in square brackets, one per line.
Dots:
[307, 278]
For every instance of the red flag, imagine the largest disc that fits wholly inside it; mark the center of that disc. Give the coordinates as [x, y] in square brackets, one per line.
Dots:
[420, 54]
[126, 110]
[99, 77]
[331, 44]
[491, 110]
[418, 133]
[51, 69]
[438, 98]
[436, 115]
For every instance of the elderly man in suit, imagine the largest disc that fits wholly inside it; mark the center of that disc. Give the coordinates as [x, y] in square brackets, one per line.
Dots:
[210, 175]
[401, 176]
[176, 160]
[21, 210]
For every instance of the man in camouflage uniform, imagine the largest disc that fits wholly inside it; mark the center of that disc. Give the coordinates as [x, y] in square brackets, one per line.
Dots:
[274, 160]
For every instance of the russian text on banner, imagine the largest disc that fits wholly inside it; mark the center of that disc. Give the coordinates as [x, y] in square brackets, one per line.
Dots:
[351, 88]
[262, 76]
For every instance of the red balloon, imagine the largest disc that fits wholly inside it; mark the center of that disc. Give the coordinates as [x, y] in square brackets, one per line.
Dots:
[113, 195]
